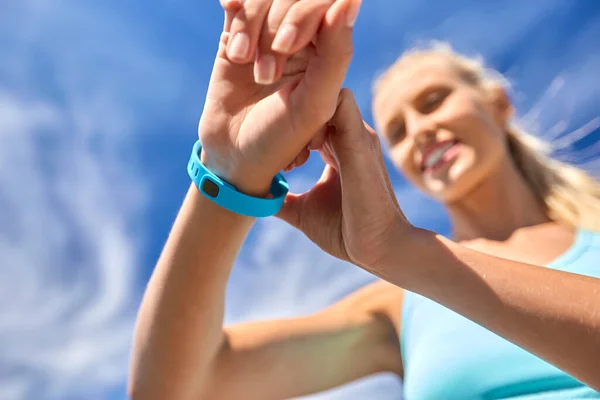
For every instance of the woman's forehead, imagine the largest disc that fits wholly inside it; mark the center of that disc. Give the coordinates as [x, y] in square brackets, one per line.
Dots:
[409, 79]
[405, 82]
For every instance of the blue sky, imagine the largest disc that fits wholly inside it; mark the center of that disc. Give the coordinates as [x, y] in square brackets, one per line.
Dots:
[99, 103]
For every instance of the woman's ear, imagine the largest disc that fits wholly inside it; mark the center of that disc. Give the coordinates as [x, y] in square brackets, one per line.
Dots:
[502, 106]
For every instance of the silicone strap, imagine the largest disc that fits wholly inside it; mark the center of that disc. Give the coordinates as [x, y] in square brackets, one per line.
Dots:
[227, 196]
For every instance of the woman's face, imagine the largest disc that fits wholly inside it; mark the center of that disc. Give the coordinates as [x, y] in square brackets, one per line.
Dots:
[444, 134]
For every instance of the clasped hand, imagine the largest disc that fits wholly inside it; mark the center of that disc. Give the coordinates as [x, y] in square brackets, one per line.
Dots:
[275, 94]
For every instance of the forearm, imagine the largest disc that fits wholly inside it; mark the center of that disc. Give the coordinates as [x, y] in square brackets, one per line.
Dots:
[550, 313]
[179, 327]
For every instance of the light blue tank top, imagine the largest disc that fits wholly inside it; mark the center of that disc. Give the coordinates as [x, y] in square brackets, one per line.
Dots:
[447, 356]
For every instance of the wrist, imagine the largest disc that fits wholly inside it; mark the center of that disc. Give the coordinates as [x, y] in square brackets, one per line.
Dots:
[207, 208]
[407, 251]
[243, 179]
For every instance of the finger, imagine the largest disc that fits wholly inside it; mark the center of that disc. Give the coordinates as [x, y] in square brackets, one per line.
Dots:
[245, 30]
[290, 26]
[289, 167]
[300, 25]
[317, 141]
[316, 97]
[349, 141]
[269, 64]
[301, 158]
[290, 210]
[328, 157]
[231, 7]
[299, 161]
[298, 29]
[293, 206]
[358, 154]
[298, 62]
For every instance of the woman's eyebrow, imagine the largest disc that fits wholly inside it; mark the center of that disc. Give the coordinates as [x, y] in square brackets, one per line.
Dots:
[428, 89]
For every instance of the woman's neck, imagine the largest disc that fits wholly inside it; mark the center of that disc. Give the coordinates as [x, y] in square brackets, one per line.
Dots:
[496, 208]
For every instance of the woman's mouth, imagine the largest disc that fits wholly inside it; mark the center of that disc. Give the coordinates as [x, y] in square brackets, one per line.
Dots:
[439, 155]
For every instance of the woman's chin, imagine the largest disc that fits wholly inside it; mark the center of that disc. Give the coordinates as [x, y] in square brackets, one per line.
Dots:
[450, 189]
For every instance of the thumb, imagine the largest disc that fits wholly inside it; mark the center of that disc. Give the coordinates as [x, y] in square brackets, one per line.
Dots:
[352, 143]
[314, 206]
[291, 210]
[357, 151]
[231, 8]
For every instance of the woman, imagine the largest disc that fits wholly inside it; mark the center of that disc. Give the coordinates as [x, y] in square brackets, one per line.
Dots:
[522, 224]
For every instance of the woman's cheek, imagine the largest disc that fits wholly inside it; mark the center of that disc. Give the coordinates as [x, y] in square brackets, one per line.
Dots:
[406, 162]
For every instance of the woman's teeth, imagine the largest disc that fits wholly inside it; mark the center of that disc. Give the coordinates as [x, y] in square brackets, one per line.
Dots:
[436, 156]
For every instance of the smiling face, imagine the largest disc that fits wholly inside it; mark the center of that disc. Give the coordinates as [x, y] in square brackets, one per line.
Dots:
[444, 133]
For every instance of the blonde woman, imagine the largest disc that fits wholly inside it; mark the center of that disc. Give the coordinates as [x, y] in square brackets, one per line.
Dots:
[509, 308]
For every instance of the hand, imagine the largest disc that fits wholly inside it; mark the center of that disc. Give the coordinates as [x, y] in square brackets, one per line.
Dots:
[250, 131]
[352, 212]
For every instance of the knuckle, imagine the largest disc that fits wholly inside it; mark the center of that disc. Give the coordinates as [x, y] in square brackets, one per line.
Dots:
[270, 30]
[346, 94]
[347, 53]
[305, 9]
[253, 10]
[224, 39]
[277, 12]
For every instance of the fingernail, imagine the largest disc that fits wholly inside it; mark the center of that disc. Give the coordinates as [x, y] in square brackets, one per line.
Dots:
[285, 38]
[352, 13]
[239, 47]
[264, 71]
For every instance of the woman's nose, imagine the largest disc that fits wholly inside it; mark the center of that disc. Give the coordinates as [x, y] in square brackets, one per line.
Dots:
[421, 128]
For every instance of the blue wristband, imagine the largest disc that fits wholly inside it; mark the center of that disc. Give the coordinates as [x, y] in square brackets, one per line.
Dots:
[227, 196]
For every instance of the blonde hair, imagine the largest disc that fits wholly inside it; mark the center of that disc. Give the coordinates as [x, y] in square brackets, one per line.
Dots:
[569, 194]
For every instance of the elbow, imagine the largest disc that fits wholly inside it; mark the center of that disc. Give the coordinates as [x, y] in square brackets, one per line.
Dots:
[137, 381]
[141, 387]
[136, 390]
[133, 392]
[147, 392]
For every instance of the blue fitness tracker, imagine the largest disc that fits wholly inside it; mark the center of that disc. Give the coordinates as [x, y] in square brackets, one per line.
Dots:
[225, 195]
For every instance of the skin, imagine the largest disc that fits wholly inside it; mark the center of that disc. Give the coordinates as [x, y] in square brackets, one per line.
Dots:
[250, 130]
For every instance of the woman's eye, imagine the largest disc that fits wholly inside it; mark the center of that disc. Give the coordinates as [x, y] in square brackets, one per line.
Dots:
[433, 100]
[397, 134]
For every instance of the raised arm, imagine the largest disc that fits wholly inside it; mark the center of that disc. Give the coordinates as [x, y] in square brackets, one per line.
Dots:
[249, 132]
[178, 333]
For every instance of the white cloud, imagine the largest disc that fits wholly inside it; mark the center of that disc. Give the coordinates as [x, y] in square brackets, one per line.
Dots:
[67, 254]
[74, 80]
